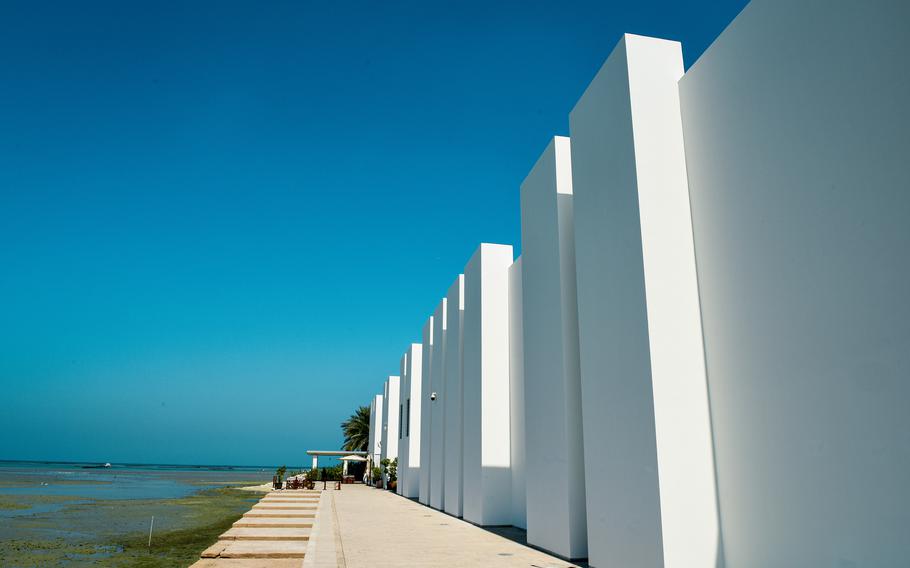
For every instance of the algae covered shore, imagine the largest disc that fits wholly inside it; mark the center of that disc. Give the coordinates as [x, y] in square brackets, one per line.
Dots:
[75, 530]
[115, 533]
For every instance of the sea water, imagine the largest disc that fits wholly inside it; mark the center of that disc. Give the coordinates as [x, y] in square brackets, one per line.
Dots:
[120, 481]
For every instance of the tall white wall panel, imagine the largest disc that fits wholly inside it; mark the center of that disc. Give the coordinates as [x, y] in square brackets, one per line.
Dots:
[390, 419]
[375, 442]
[403, 394]
[409, 477]
[517, 398]
[437, 418]
[487, 454]
[796, 125]
[385, 420]
[647, 437]
[426, 412]
[454, 398]
[383, 437]
[556, 511]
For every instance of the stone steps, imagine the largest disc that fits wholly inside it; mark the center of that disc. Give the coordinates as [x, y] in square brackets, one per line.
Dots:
[284, 506]
[302, 522]
[284, 514]
[266, 533]
[274, 533]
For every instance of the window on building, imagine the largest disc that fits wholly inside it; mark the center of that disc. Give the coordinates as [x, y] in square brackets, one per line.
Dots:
[408, 422]
[400, 418]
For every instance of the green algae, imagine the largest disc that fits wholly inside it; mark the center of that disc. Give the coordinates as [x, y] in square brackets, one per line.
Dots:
[11, 504]
[114, 533]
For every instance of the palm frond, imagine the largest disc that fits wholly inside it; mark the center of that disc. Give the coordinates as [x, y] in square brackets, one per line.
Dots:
[356, 430]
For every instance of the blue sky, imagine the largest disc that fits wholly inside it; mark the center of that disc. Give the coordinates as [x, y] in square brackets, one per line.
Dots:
[221, 223]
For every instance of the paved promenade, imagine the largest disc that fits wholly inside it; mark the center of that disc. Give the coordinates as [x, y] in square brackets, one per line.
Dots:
[361, 527]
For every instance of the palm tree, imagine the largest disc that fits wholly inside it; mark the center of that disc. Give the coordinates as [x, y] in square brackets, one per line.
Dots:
[357, 430]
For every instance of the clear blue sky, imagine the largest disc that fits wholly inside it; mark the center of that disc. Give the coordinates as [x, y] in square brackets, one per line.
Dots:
[222, 223]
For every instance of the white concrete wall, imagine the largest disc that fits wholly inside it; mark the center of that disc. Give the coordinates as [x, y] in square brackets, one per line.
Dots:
[437, 419]
[648, 453]
[411, 437]
[403, 394]
[383, 432]
[426, 414]
[390, 417]
[454, 398]
[796, 126]
[556, 511]
[517, 398]
[375, 443]
[487, 455]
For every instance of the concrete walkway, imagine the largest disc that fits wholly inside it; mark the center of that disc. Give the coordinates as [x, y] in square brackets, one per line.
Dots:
[378, 529]
[362, 527]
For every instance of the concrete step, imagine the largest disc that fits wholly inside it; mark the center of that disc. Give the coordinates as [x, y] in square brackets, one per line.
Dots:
[248, 563]
[264, 549]
[287, 514]
[289, 500]
[303, 522]
[283, 507]
[215, 550]
[266, 533]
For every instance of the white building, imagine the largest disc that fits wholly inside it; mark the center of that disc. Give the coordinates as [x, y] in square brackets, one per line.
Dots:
[487, 453]
[647, 438]
[423, 422]
[739, 231]
[517, 399]
[403, 439]
[409, 435]
[552, 383]
[375, 443]
[796, 133]
[390, 419]
[437, 400]
[454, 398]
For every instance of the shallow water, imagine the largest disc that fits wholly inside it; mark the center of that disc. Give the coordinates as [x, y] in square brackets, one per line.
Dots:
[121, 481]
[70, 514]
[49, 502]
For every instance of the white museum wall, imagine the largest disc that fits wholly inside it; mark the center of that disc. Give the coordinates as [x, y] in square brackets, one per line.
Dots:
[647, 437]
[390, 414]
[796, 125]
[426, 414]
[375, 442]
[556, 511]
[414, 365]
[517, 399]
[486, 422]
[454, 398]
[383, 432]
[437, 418]
[403, 394]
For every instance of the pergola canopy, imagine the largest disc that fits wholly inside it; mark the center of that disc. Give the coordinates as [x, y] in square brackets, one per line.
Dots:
[354, 458]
